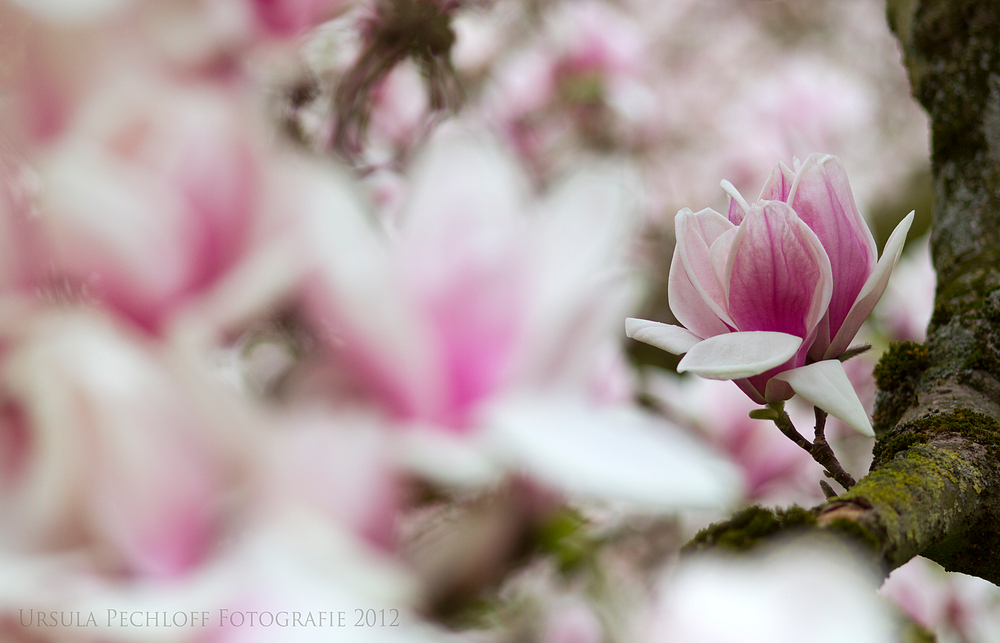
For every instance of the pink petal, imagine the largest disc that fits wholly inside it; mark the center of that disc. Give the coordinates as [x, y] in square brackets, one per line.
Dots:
[738, 206]
[695, 233]
[688, 306]
[822, 198]
[750, 390]
[779, 275]
[778, 185]
[821, 341]
[872, 291]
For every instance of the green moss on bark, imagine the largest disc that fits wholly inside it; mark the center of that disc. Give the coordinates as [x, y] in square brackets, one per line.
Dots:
[977, 427]
[896, 376]
[920, 498]
[750, 527]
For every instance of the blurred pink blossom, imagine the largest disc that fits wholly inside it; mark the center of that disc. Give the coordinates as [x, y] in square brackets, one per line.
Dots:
[148, 199]
[775, 470]
[484, 316]
[108, 456]
[953, 606]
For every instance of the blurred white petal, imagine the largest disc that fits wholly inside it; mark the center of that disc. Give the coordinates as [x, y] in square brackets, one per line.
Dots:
[787, 595]
[612, 454]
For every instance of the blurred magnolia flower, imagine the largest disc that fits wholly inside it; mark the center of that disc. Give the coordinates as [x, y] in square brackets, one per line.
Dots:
[148, 199]
[102, 450]
[803, 104]
[956, 607]
[289, 567]
[483, 324]
[783, 596]
[775, 470]
[772, 295]
[508, 307]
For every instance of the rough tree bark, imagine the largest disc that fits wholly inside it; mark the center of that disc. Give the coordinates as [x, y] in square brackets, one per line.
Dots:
[934, 487]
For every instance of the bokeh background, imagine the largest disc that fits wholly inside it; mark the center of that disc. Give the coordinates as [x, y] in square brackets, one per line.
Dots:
[317, 306]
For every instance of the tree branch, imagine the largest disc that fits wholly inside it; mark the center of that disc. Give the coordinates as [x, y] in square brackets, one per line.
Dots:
[932, 490]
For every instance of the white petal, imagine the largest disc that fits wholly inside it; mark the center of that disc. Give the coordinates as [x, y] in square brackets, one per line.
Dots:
[449, 460]
[667, 337]
[73, 13]
[614, 454]
[466, 179]
[825, 384]
[872, 291]
[736, 355]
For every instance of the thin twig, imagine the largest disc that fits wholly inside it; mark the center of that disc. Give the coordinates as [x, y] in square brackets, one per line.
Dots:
[822, 453]
[819, 449]
[785, 426]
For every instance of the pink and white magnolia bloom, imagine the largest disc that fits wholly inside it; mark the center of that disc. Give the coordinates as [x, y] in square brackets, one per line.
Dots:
[103, 454]
[481, 324]
[771, 295]
[149, 198]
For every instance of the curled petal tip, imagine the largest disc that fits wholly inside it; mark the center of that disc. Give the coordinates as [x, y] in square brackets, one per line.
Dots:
[672, 339]
[734, 194]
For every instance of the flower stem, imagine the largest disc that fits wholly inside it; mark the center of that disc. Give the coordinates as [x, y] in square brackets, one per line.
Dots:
[822, 453]
[819, 448]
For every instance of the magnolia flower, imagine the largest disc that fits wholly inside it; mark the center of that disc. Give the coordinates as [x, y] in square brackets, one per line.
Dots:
[481, 323]
[772, 295]
[149, 199]
[102, 449]
[955, 607]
